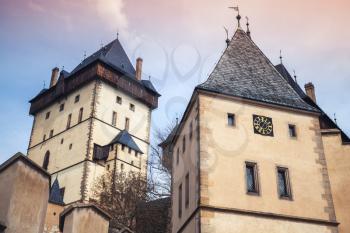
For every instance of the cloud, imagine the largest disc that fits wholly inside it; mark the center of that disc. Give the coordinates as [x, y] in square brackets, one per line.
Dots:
[111, 12]
[36, 6]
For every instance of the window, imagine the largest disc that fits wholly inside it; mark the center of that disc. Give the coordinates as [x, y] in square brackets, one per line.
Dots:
[44, 138]
[51, 133]
[231, 120]
[252, 178]
[62, 140]
[129, 151]
[122, 167]
[187, 191]
[114, 118]
[183, 144]
[284, 189]
[47, 115]
[191, 130]
[107, 167]
[80, 117]
[62, 191]
[177, 156]
[136, 154]
[132, 163]
[123, 147]
[180, 201]
[69, 121]
[111, 147]
[292, 131]
[77, 98]
[132, 107]
[61, 107]
[70, 146]
[127, 124]
[119, 100]
[46, 160]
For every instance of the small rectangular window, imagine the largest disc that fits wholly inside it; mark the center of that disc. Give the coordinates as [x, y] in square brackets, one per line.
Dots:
[47, 115]
[191, 130]
[123, 147]
[127, 124]
[129, 151]
[292, 131]
[111, 147]
[284, 189]
[61, 107]
[114, 118]
[77, 98]
[80, 117]
[132, 107]
[119, 100]
[136, 154]
[122, 167]
[231, 120]
[70, 146]
[177, 156]
[51, 133]
[44, 138]
[252, 178]
[184, 144]
[187, 191]
[180, 201]
[69, 121]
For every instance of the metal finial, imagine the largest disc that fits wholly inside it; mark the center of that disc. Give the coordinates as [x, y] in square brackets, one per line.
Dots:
[227, 39]
[236, 8]
[295, 76]
[44, 84]
[101, 44]
[335, 118]
[84, 55]
[248, 30]
[149, 77]
[117, 34]
[62, 68]
[281, 58]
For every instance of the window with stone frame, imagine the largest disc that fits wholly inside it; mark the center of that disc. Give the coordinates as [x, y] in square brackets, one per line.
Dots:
[47, 115]
[283, 180]
[51, 133]
[231, 119]
[61, 107]
[180, 202]
[292, 131]
[127, 124]
[80, 117]
[187, 190]
[183, 144]
[77, 98]
[69, 120]
[252, 178]
[119, 100]
[114, 118]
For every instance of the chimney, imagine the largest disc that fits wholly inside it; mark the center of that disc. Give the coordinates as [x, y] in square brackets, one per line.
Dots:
[139, 62]
[54, 77]
[310, 91]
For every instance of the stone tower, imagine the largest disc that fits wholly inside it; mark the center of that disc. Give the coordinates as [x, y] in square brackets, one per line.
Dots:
[251, 153]
[96, 117]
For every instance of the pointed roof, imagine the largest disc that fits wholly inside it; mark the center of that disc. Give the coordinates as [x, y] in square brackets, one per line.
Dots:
[125, 139]
[55, 194]
[244, 71]
[114, 55]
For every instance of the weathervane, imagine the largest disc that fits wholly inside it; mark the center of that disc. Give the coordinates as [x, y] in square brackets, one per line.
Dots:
[335, 118]
[236, 8]
[295, 76]
[84, 55]
[248, 31]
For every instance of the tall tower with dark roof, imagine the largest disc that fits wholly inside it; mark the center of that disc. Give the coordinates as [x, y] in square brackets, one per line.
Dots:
[92, 120]
[251, 152]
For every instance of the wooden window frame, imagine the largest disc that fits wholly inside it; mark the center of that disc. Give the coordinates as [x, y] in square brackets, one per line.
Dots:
[253, 165]
[286, 171]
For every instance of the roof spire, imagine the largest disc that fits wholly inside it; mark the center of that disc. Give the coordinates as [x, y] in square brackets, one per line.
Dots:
[118, 35]
[281, 58]
[248, 30]
[236, 8]
[227, 39]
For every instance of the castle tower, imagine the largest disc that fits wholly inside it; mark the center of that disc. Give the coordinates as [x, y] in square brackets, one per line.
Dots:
[92, 119]
[250, 153]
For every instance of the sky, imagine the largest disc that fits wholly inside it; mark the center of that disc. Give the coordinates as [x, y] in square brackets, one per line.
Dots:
[179, 40]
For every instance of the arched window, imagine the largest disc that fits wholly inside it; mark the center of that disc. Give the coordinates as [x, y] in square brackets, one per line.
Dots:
[46, 160]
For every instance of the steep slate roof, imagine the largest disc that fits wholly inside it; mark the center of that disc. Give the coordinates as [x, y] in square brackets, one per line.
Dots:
[113, 54]
[125, 138]
[323, 117]
[244, 71]
[55, 194]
